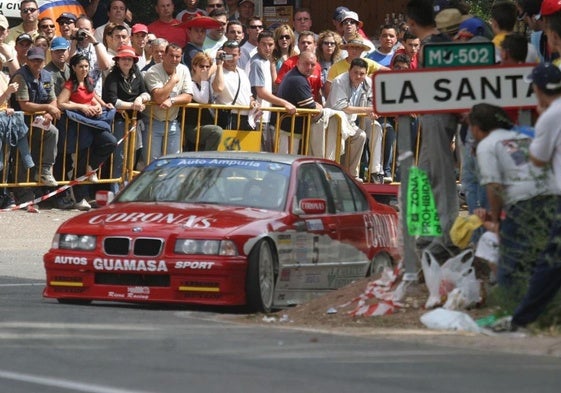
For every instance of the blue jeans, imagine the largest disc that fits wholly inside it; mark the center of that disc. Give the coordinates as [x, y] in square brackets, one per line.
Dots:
[545, 281]
[167, 132]
[476, 195]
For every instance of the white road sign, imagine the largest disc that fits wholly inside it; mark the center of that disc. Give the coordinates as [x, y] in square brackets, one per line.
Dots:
[451, 89]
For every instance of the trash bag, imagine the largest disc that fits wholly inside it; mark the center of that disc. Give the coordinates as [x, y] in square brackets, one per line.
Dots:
[455, 279]
[441, 319]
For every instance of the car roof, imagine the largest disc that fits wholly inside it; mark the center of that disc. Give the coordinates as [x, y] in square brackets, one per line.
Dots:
[244, 155]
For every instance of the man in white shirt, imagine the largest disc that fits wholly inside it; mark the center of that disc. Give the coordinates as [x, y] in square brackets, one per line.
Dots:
[170, 84]
[249, 48]
[117, 14]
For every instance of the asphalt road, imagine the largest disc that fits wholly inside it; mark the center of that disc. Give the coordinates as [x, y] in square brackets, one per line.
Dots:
[116, 348]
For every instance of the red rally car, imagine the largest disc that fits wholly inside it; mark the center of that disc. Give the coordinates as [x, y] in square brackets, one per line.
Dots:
[235, 228]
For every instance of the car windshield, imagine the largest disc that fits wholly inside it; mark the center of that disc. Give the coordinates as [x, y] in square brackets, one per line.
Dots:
[259, 184]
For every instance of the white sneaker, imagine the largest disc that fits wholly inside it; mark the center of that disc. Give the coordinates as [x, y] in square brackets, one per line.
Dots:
[83, 205]
[93, 177]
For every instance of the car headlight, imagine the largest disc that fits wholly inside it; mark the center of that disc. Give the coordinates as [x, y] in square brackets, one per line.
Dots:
[206, 247]
[75, 242]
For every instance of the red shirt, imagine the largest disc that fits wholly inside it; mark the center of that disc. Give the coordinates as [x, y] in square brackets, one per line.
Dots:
[314, 80]
[81, 95]
[174, 31]
[414, 61]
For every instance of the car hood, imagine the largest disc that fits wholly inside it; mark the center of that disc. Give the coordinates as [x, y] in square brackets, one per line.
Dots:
[165, 218]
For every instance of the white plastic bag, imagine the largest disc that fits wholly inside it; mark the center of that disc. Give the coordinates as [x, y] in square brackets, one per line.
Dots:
[431, 273]
[441, 319]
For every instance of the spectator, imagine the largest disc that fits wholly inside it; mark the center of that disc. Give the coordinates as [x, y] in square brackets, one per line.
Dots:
[231, 87]
[354, 48]
[411, 46]
[550, 12]
[58, 66]
[306, 43]
[117, 15]
[191, 11]
[166, 26]
[96, 10]
[302, 22]
[545, 280]
[284, 45]
[245, 10]
[47, 28]
[522, 198]
[11, 65]
[93, 139]
[514, 49]
[436, 157]
[29, 12]
[148, 50]
[66, 24]
[85, 44]
[232, 8]
[212, 5]
[296, 90]
[197, 35]
[234, 31]
[249, 48]
[124, 88]
[529, 12]
[338, 26]
[170, 85]
[23, 44]
[503, 20]
[388, 39]
[261, 76]
[352, 93]
[139, 37]
[328, 52]
[351, 28]
[35, 94]
[215, 38]
[117, 36]
[42, 42]
[200, 131]
[159, 46]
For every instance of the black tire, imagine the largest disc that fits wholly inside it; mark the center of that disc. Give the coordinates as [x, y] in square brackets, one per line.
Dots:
[261, 278]
[79, 302]
[379, 262]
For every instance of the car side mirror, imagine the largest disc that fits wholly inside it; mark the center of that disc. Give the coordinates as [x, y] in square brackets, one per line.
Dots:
[313, 206]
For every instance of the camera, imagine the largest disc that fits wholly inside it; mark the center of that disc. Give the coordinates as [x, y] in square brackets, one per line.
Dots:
[81, 35]
[224, 56]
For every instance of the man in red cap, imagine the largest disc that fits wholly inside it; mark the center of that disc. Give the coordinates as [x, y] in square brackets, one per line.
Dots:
[139, 38]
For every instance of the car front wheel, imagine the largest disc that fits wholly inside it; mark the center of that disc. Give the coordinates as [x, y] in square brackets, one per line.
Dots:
[260, 283]
[379, 262]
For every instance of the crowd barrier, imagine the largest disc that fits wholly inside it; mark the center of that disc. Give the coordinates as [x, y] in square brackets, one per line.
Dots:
[124, 164]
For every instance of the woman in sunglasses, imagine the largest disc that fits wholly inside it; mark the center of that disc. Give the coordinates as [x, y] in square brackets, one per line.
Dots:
[284, 45]
[328, 52]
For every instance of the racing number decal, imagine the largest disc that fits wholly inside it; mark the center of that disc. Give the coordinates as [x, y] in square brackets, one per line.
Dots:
[315, 250]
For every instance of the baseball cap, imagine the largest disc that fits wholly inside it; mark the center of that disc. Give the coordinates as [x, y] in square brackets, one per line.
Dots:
[24, 37]
[59, 43]
[4, 22]
[546, 76]
[549, 7]
[463, 229]
[240, 2]
[474, 25]
[139, 28]
[35, 53]
[66, 16]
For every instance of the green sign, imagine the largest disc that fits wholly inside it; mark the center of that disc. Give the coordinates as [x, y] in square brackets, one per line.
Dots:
[422, 215]
[460, 54]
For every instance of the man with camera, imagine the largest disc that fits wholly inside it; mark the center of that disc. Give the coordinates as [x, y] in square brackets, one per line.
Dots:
[84, 43]
[231, 87]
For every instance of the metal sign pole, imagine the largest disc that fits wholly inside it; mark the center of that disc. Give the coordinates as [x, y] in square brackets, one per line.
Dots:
[405, 163]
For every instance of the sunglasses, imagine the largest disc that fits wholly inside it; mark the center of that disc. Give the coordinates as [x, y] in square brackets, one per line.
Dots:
[284, 37]
[329, 43]
[350, 22]
[204, 66]
[47, 26]
[28, 10]
[256, 27]
[66, 22]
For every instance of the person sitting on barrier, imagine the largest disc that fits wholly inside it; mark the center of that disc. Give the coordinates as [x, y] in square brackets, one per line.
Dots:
[231, 86]
[82, 105]
[170, 85]
[124, 88]
[351, 93]
[200, 132]
[13, 130]
[36, 94]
